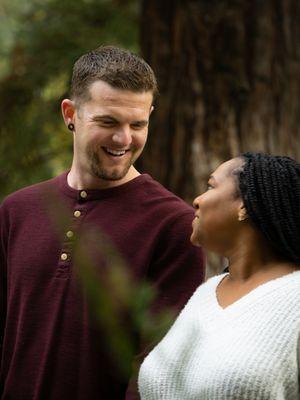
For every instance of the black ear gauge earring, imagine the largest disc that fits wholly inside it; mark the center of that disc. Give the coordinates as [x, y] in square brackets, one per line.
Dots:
[71, 126]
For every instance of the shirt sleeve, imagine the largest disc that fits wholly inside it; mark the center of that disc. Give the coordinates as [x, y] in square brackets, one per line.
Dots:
[178, 267]
[3, 279]
[176, 271]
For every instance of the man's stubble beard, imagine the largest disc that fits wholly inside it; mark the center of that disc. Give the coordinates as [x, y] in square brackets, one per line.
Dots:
[103, 173]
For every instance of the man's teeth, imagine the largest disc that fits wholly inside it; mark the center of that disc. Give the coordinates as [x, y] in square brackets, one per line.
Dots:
[115, 152]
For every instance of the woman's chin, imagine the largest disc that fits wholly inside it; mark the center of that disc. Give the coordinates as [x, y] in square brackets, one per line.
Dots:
[194, 240]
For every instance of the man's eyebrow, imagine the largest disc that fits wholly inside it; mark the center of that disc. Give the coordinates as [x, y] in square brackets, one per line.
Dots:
[141, 122]
[107, 117]
[98, 118]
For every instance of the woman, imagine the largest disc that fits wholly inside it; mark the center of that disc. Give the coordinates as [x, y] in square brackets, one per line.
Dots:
[239, 335]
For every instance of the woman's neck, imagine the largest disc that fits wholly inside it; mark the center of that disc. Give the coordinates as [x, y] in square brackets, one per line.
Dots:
[253, 258]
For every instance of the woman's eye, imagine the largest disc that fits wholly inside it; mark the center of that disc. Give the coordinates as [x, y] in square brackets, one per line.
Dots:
[209, 187]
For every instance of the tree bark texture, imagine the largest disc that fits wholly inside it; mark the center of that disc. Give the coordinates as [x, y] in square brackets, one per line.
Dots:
[229, 78]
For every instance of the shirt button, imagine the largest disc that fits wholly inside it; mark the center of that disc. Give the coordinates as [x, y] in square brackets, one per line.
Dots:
[70, 234]
[63, 256]
[77, 213]
[83, 194]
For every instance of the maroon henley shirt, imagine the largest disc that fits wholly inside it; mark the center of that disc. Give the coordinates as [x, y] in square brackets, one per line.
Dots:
[50, 349]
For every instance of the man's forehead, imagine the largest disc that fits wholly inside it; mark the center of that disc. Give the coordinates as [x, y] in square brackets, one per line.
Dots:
[103, 92]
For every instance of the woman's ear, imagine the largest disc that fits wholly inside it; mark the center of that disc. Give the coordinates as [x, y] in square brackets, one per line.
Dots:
[242, 214]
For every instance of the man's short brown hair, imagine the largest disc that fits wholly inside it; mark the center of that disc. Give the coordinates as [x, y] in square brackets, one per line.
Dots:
[116, 66]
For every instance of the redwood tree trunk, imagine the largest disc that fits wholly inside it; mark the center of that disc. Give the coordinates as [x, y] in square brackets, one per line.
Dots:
[229, 77]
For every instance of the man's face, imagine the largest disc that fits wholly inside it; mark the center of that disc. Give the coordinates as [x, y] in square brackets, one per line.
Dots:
[110, 131]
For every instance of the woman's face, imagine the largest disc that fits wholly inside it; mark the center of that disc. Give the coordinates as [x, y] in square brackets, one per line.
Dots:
[216, 223]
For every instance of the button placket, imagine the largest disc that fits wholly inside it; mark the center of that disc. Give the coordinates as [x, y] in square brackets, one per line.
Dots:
[83, 194]
[77, 213]
[65, 258]
[70, 234]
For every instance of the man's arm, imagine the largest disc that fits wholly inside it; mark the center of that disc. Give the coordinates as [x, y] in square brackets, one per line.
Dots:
[177, 269]
[3, 286]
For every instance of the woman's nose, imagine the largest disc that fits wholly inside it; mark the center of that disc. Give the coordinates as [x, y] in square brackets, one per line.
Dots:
[196, 203]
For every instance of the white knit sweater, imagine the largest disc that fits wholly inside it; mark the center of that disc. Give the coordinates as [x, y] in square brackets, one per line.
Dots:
[249, 350]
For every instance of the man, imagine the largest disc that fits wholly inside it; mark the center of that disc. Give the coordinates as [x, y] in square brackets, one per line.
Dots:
[51, 348]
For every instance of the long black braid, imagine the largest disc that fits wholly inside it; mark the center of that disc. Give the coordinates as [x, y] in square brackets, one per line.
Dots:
[270, 188]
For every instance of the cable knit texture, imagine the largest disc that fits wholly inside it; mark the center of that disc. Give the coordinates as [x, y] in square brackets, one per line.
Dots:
[249, 350]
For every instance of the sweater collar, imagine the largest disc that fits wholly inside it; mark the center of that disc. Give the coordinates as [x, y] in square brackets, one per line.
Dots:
[93, 194]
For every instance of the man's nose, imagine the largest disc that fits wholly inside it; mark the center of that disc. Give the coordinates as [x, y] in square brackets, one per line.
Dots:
[122, 136]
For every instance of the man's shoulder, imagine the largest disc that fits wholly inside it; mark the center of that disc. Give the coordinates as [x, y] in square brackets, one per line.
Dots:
[157, 194]
[29, 193]
[163, 209]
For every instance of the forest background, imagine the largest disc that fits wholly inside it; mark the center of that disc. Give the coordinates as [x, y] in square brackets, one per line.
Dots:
[228, 72]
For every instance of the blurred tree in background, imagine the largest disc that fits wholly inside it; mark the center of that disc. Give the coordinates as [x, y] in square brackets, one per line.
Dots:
[229, 76]
[39, 42]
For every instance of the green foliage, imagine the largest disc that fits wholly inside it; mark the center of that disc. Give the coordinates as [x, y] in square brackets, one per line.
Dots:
[40, 41]
[120, 305]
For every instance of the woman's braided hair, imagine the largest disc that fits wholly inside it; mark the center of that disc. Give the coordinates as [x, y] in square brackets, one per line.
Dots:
[270, 188]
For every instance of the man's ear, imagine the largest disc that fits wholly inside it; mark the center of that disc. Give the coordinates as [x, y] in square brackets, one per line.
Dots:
[68, 111]
[242, 213]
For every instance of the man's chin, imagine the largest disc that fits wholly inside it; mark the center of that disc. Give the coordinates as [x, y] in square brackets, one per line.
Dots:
[113, 178]
[110, 175]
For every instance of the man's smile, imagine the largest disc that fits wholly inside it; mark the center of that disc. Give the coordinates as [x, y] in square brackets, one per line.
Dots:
[115, 153]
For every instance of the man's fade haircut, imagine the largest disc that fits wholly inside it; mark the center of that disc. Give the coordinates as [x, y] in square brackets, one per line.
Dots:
[116, 66]
[270, 188]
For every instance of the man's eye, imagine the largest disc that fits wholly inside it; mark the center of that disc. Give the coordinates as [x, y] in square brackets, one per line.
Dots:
[107, 123]
[209, 187]
[137, 126]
